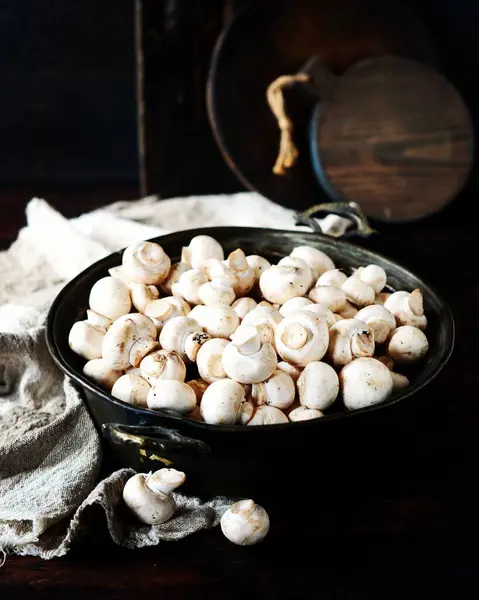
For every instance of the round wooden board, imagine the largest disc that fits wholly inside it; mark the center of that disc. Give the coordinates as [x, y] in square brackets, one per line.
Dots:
[397, 139]
[269, 38]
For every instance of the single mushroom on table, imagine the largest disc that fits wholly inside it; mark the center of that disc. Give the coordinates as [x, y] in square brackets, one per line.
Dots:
[145, 262]
[183, 335]
[173, 395]
[408, 308]
[148, 496]
[318, 386]
[162, 364]
[132, 389]
[318, 261]
[247, 359]
[301, 338]
[365, 382]
[349, 339]
[129, 340]
[245, 523]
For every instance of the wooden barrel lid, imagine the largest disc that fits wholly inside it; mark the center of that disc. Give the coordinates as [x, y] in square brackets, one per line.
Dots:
[269, 38]
[396, 138]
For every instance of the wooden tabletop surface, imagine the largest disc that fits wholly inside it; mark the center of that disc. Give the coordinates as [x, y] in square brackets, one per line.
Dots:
[410, 533]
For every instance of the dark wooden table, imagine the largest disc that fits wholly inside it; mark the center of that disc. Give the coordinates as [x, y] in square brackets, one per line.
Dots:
[410, 530]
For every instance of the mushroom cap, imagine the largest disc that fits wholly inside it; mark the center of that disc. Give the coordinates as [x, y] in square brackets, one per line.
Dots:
[165, 480]
[247, 359]
[295, 261]
[365, 382]
[374, 275]
[245, 523]
[110, 297]
[142, 294]
[358, 292]
[100, 372]
[301, 338]
[246, 278]
[222, 401]
[129, 339]
[146, 262]
[200, 249]
[86, 340]
[349, 339]
[188, 285]
[407, 308]
[294, 304]
[302, 413]
[329, 295]
[321, 310]
[278, 390]
[379, 319]
[216, 292]
[176, 271]
[218, 320]
[318, 385]
[162, 364]
[265, 319]
[242, 306]
[149, 507]
[334, 277]
[318, 261]
[208, 360]
[291, 370]
[175, 333]
[407, 344]
[132, 389]
[163, 309]
[169, 394]
[268, 415]
[280, 283]
[258, 264]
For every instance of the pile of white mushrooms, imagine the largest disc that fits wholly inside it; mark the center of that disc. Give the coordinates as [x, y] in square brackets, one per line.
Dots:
[238, 340]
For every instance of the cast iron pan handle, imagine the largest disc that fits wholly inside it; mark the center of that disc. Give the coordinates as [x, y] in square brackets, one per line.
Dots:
[154, 439]
[349, 210]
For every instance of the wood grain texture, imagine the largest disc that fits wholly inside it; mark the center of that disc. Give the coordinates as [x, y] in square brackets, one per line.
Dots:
[410, 527]
[396, 137]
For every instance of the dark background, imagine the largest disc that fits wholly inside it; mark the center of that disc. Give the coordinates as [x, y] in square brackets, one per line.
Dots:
[68, 85]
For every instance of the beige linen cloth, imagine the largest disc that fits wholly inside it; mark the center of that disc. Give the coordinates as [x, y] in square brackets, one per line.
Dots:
[50, 451]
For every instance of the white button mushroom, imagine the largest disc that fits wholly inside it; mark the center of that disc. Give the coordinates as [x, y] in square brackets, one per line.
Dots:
[407, 344]
[200, 249]
[301, 413]
[174, 275]
[245, 523]
[183, 335]
[222, 402]
[170, 394]
[247, 359]
[348, 311]
[148, 496]
[329, 295]
[199, 387]
[294, 304]
[128, 340]
[265, 319]
[379, 319]
[365, 382]
[208, 360]
[242, 306]
[246, 276]
[318, 385]
[407, 308]
[101, 373]
[188, 285]
[110, 297]
[295, 261]
[216, 291]
[217, 320]
[349, 339]
[301, 338]
[318, 261]
[98, 321]
[162, 310]
[268, 415]
[131, 389]
[280, 283]
[373, 275]
[358, 292]
[162, 364]
[278, 391]
[320, 310]
[291, 370]
[86, 340]
[334, 277]
[142, 295]
[258, 264]
[146, 262]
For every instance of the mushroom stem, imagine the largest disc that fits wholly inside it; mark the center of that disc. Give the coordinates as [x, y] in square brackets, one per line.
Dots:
[247, 339]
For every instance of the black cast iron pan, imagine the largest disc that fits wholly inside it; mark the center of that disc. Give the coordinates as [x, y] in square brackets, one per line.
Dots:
[238, 460]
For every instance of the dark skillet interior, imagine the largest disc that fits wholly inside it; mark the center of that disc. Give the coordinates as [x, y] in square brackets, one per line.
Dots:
[72, 302]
